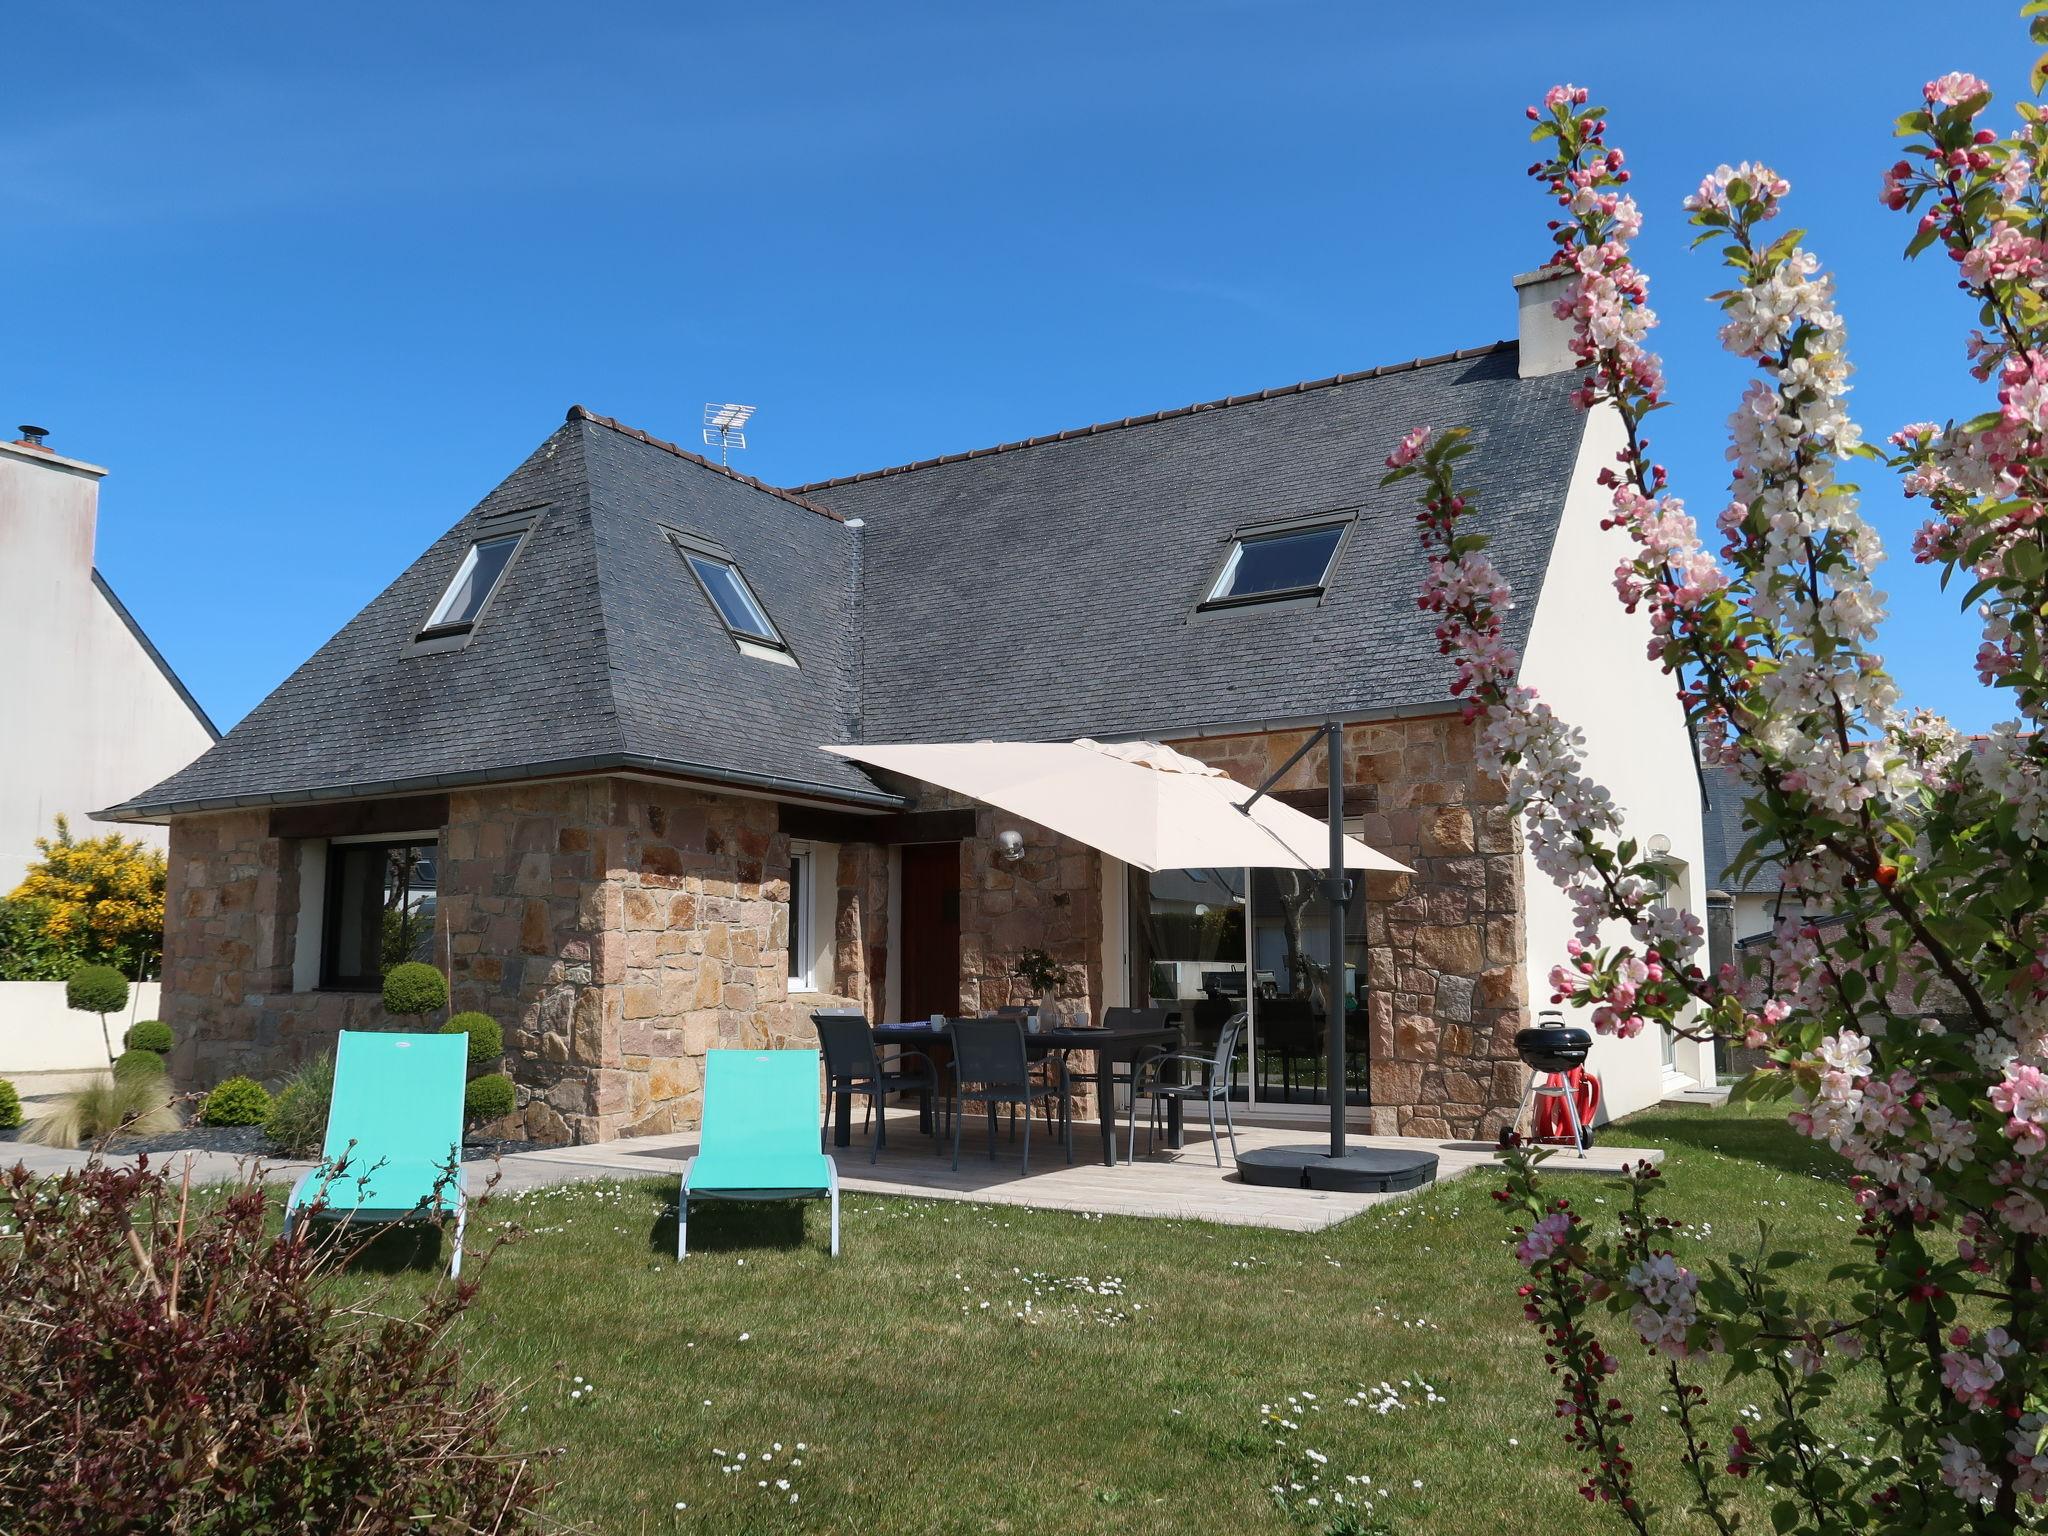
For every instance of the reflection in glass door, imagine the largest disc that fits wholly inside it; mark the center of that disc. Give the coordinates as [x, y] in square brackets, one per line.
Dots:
[1211, 943]
[1187, 949]
[1291, 991]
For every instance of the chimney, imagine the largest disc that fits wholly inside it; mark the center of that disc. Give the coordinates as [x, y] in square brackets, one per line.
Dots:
[1545, 339]
[32, 437]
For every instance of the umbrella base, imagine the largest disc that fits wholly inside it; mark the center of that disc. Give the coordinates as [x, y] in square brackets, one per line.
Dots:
[1362, 1171]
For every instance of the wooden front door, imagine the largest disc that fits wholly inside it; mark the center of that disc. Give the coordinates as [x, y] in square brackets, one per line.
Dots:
[931, 930]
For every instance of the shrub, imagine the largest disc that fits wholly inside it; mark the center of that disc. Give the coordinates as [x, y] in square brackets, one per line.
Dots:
[238, 1101]
[10, 1106]
[486, 1040]
[149, 1035]
[97, 989]
[250, 1397]
[28, 950]
[138, 1064]
[414, 990]
[297, 1123]
[489, 1098]
[139, 1105]
[99, 899]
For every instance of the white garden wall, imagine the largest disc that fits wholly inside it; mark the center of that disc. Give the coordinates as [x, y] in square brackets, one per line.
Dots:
[39, 1034]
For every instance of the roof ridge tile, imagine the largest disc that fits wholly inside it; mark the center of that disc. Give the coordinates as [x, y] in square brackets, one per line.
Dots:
[796, 492]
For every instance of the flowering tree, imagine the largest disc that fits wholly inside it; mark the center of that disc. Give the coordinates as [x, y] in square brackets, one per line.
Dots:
[94, 900]
[1927, 857]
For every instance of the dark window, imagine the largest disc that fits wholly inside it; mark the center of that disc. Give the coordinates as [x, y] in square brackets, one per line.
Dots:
[380, 911]
[734, 599]
[474, 581]
[1261, 566]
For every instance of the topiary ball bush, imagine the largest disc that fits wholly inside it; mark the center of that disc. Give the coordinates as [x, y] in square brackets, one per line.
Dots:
[489, 1098]
[486, 1040]
[414, 988]
[238, 1101]
[10, 1106]
[96, 989]
[148, 1035]
[138, 1063]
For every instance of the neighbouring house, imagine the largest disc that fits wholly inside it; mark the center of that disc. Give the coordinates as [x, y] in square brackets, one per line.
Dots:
[1742, 904]
[90, 712]
[572, 754]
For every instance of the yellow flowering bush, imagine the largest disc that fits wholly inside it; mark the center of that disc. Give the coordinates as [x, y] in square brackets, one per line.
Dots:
[95, 900]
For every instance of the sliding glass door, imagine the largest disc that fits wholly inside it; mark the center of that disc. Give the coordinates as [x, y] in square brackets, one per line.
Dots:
[1290, 922]
[1211, 943]
[1187, 948]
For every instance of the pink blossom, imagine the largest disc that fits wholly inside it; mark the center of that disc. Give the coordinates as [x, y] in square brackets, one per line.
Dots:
[1408, 449]
[1953, 89]
[1544, 1239]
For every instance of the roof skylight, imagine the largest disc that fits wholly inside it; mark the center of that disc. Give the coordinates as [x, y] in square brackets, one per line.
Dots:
[475, 579]
[734, 599]
[1262, 567]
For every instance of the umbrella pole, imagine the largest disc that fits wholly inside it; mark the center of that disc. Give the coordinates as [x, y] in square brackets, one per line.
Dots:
[1310, 1165]
[1338, 890]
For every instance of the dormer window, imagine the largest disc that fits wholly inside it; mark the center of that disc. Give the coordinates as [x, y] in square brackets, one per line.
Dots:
[1276, 563]
[474, 582]
[734, 601]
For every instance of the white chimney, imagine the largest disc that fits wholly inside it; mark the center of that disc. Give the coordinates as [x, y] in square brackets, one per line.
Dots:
[1545, 339]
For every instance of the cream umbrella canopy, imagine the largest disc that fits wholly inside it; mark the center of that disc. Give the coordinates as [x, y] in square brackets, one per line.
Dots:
[1148, 805]
[1156, 809]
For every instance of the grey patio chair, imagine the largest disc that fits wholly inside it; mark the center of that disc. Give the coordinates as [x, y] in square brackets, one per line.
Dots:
[991, 1066]
[1215, 1084]
[852, 1067]
[1133, 1018]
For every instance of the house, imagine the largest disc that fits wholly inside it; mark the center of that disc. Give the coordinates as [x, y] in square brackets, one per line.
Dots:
[1741, 904]
[90, 712]
[572, 753]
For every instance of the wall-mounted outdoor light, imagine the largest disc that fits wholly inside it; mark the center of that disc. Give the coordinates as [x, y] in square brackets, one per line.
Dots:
[1011, 844]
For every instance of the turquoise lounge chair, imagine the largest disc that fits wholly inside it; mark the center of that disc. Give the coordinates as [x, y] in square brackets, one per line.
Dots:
[396, 1116]
[760, 1135]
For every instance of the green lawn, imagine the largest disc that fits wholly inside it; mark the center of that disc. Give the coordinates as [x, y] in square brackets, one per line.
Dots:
[971, 1369]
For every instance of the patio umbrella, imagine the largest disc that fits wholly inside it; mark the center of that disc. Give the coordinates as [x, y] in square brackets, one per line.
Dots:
[1146, 804]
[1155, 809]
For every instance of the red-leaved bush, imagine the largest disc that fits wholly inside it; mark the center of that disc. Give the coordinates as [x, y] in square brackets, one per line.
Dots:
[167, 1365]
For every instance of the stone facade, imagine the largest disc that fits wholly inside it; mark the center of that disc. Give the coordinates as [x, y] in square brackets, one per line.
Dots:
[1444, 979]
[1051, 899]
[231, 904]
[620, 928]
[616, 929]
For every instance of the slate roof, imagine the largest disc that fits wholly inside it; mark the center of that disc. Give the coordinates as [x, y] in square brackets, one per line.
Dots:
[1727, 829]
[598, 651]
[1039, 589]
[1046, 590]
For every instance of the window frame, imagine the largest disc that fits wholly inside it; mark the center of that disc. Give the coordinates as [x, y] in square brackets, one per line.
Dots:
[803, 895]
[338, 850]
[1344, 520]
[775, 645]
[516, 525]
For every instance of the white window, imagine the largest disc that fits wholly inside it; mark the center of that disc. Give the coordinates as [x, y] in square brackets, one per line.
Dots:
[1289, 562]
[737, 606]
[475, 579]
[802, 897]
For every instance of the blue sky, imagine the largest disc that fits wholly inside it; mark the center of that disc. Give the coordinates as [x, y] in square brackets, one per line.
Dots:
[311, 279]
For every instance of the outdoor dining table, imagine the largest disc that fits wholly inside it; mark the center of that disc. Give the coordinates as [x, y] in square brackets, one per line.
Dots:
[1111, 1047]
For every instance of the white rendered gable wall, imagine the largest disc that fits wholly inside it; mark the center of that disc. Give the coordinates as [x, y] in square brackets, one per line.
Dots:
[87, 718]
[1587, 659]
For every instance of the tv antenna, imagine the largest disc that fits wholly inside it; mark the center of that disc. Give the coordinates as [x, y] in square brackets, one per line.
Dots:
[722, 427]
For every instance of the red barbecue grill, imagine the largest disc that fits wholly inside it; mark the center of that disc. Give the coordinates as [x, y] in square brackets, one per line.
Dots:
[1567, 1101]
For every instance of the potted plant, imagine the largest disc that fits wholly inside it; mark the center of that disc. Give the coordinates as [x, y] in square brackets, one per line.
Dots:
[1044, 975]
